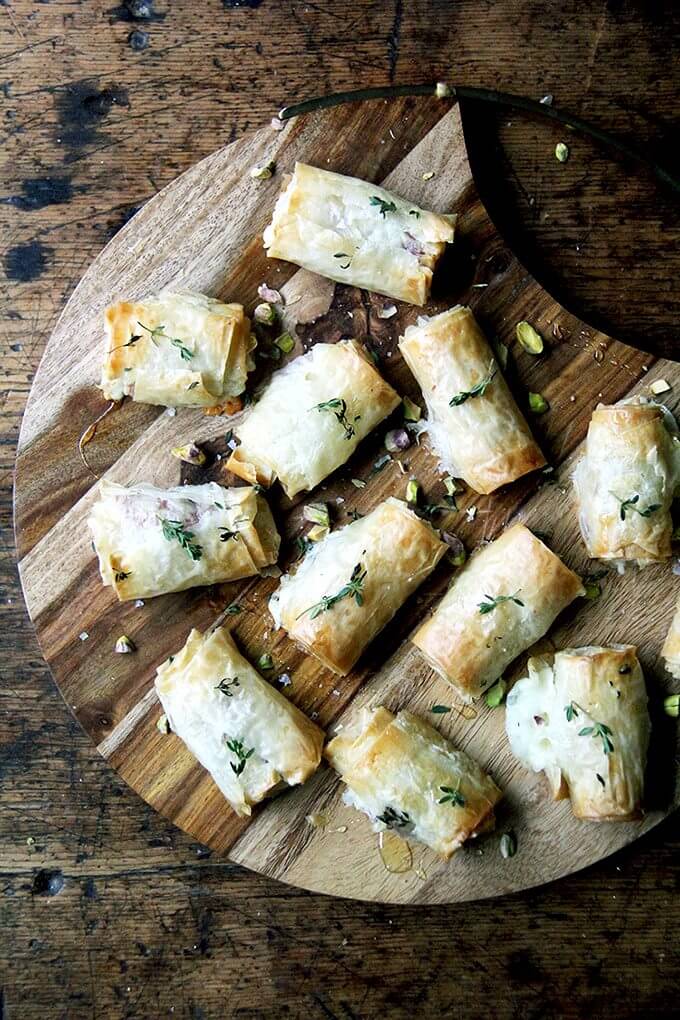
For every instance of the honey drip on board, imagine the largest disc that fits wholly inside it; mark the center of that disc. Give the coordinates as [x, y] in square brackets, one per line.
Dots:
[395, 852]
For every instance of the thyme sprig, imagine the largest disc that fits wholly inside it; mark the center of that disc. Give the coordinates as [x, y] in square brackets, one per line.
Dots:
[226, 684]
[394, 819]
[453, 797]
[343, 255]
[339, 408]
[226, 534]
[495, 600]
[242, 754]
[353, 589]
[599, 731]
[631, 504]
[477, 391]
[384, 206]
[158, 333]
[176, 531]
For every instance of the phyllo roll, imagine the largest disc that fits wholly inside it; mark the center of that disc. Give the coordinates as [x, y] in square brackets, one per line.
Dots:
[474, 425]
[671, 646]
[406, 776]
[582, 719]
[176, 350]
[248, 736]
[357, 233]
[626, 481]
[351, 583]
[505, 598]
[311, 417]
[152, 541]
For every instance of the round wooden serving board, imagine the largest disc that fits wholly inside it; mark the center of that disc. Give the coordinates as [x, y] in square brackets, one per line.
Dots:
[204, 232]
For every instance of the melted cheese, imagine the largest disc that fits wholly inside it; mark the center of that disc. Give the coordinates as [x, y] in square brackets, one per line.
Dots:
[287, 436]
[602, 686]
[285, 745]
[400, 764]
[484, 439]
[138, 560]
[194, 351]
[335, 226]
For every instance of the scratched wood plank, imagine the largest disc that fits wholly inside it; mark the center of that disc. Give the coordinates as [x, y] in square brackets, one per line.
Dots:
[203, 231]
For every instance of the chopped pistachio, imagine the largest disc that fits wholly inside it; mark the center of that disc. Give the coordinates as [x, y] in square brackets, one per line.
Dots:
[457, 554]
[428, 175]
[317, 533]
[412, 490]
[163, 725]
[496, 694]
[508, 845]
[285, 343]
[387, 311]
[124, 644]
[190, 454]
[263, 171]
[529, 338]
[671, 705]
[265, 313]
[411, 411]
[358, 483]
[268, 294]
[561, 152]
[501, 352]
[317, 513]
[442, 90]
[396, 440]
[538, 404]
[660, 386]
[451, 485]
[265, 661]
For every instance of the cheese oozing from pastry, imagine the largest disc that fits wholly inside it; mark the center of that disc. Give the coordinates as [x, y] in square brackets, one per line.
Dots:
[626, 481]
[152, 541]
[582, 718]
[475, 427]
[407, 777]
[248, 736]
[506, 597]
[357, 233]
[351, 583]
[176, 350]
[671, 646]
[311, 417]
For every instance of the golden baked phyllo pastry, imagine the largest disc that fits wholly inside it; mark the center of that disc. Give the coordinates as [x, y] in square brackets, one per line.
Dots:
[311, 417]
[248, 736]
[474, 425]
[626, 481]
[351, 583]
[176, 350]
[357, 233]
[152, 541]
[581, 717]
[505, 598]
[406, 776]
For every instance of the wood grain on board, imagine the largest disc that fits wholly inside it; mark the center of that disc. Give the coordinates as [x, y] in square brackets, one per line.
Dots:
[203, 232]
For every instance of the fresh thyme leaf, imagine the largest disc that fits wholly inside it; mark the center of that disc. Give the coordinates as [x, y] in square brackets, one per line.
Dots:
[354, 514]
[242, 754]
[131, 342]
[495, 600]
[234, 610]
[453, 797]
[175, 531]
[225, 685]
[339, 408]
[155, 334]
[122, 575]
[343, 255]
[477, 391]
[393, 819]
[631, 504]
[193, 385]
[353, 589]
[440, 709]
[302, 544]
[571, 711]
[414, 212]
[599, 778]
[591, 583]
[184, 351]
[384, 206]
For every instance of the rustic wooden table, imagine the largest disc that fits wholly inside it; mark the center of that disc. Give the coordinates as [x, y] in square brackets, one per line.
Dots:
[105, 910]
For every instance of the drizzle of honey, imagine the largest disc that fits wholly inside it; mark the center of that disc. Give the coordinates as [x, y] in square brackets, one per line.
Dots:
[395, 852]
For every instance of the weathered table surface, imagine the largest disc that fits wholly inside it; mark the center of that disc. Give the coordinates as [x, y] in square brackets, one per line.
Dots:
[105, 911]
